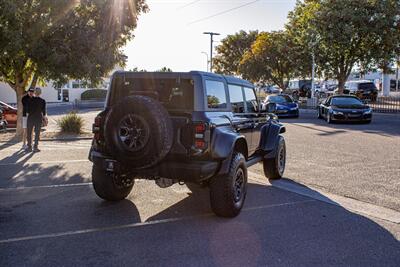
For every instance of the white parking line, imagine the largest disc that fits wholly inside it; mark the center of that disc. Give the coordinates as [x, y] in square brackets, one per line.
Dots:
[135, 225]
[344, 202]
[44, 162]
[51, 148]
[42, 186]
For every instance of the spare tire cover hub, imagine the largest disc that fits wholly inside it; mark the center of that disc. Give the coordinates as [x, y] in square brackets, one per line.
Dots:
[134, 132]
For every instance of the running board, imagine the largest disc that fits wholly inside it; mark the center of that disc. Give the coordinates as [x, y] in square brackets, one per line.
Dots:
[253, 160]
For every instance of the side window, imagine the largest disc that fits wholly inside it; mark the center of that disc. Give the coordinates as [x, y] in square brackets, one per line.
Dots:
[236, 98]
[216, 95]
[251, 100]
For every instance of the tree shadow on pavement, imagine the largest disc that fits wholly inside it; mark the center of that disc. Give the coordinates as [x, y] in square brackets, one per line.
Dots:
[16, 171]
[60, 210]
[280, 228]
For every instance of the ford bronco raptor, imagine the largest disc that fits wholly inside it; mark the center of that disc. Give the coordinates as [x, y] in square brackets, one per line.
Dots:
[193, 128]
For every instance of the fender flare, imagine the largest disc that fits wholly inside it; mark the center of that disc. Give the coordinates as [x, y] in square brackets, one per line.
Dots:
[223, 142]
[270, 138]
[223, 145]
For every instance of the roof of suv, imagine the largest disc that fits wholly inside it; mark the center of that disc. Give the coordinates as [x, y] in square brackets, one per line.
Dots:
[155, 75]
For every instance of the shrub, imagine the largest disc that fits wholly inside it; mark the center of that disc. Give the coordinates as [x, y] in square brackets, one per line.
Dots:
[94, 94]
[71, 123]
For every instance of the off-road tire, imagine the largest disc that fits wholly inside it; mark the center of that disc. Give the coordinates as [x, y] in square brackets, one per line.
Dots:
[223, 198]
[273, 168]
[105, 186]
[157, 129]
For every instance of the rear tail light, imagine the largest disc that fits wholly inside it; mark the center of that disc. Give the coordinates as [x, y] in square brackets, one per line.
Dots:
[200, 135]
[96, 128]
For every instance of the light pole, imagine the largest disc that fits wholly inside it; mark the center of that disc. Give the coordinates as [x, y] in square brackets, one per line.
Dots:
[313, 75]
[211, 46]
[314, 43]
[397, 73]
[207, 59]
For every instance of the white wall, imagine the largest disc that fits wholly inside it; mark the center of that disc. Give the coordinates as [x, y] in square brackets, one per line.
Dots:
[7, 94]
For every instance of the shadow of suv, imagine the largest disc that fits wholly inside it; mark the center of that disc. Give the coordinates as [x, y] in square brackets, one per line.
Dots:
[194, 127]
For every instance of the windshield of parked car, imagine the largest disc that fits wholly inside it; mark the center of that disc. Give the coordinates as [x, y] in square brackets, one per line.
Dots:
[346, 101]
[279, 99]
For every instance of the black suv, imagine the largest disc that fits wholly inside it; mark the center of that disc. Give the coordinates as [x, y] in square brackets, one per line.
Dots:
[194, 128]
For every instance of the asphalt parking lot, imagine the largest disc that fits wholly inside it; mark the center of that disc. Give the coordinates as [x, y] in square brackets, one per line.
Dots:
[50, 215]
[360, 161]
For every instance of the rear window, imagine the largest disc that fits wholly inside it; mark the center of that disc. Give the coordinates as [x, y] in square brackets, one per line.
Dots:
[366, 86]
[173, 93]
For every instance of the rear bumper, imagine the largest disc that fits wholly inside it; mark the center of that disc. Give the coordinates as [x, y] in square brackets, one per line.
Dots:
[288, 113]
[347, 117]
[193, 171]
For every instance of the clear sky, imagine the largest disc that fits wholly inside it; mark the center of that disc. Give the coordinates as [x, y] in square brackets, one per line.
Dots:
[168, 35]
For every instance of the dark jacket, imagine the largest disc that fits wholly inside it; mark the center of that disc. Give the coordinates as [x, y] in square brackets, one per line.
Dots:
[26, 99]
[36, 109]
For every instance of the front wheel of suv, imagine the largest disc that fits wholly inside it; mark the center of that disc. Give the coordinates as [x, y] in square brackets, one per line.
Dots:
[275, 167]
[228, 192]
[110, 186]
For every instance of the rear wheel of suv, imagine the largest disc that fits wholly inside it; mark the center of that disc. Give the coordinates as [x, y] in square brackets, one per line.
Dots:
[228, 193]
[275, 167]
[110, 186]
[138, 131]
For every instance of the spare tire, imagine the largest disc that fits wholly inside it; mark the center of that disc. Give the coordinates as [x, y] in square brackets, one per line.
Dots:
[138, 131]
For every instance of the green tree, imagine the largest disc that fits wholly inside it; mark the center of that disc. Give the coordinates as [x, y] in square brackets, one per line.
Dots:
[273, 59]
[63, 39]
[164, 69]
[340, 33]
[231, 50]
[136, 69]
[387, 47]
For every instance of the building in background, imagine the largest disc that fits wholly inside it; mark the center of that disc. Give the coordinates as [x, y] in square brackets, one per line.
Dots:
[376, 77]
[69, 92]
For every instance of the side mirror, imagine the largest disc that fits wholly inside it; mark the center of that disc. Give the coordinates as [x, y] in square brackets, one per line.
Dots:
[270, 107]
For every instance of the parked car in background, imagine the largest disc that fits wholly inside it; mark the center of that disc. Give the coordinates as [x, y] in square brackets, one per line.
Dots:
[344, 108]
[3, 123]
[10, 114]
[285, 105]
[299, 88]
[363, 89]
[272, 89]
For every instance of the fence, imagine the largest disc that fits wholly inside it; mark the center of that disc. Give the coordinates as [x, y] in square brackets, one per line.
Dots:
[386, 104]
[383, 104]
[85, 104]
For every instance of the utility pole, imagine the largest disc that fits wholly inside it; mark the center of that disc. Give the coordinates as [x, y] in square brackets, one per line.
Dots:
[211, 47]
[313, 76]
[207, 59]
[397, 73]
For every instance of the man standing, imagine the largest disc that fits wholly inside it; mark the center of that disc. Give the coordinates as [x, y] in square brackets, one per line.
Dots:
[36, 114]
[26, 99]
